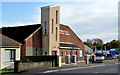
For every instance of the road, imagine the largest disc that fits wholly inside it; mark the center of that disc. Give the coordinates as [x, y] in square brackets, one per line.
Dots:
[111, 68]
[96, 68]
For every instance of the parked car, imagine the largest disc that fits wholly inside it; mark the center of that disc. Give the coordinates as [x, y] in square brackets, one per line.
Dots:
[99, 57]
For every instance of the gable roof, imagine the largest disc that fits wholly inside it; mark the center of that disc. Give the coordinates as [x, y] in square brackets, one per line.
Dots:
[5, 41]
[19, 33]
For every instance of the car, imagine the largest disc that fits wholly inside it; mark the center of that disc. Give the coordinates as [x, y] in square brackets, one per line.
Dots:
[100, 58]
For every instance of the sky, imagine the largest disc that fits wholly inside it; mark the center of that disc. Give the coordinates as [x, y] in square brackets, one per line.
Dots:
[88, 19]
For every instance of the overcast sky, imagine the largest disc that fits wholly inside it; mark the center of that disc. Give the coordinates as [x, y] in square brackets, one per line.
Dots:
[88, 19]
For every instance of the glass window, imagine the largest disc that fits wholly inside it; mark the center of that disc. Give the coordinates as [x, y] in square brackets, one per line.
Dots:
[52, 25]
[56, 33]
[36, 52]
[9, 55]
[69, 53]
[76, 53]
[81, 53]
[56, 16]
[65, 53]
[61, 54]
[45, 28]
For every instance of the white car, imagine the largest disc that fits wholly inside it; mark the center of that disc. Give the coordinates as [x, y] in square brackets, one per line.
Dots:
[100, 58]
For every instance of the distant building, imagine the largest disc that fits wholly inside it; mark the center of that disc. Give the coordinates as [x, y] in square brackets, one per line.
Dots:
[88, 49]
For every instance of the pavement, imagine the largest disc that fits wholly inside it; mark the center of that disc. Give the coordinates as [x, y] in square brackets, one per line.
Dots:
[68, 68]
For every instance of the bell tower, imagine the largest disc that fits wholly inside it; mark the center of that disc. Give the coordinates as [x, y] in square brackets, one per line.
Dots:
[50, 20]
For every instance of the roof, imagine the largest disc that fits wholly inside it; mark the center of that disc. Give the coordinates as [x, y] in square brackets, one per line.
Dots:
[5, 41]
[50, 6]
[68, 46]
[19, 33]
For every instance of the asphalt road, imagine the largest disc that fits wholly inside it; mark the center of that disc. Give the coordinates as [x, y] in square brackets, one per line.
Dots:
[110, 68]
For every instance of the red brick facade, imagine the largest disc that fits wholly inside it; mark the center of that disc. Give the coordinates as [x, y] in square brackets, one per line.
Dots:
[71, 38]
[34, 40]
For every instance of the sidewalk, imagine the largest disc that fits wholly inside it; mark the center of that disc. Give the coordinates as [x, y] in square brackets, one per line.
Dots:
[68, 67]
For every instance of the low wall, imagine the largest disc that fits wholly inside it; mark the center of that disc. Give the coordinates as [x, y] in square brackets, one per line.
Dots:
[21, 66]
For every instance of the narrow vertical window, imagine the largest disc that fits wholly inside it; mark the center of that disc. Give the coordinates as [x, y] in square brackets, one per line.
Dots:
[56, 33]
[65, 53]
[56, 16]
[45, 28]
[61, 54]
[81, 53]
[76, 53]
[52, 24]
[36, 52]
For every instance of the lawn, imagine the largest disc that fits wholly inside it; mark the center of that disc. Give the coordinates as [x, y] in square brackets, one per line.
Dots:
[6, 71]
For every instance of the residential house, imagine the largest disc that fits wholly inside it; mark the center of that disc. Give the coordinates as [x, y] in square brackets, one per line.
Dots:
[9, 52]
[88, 49]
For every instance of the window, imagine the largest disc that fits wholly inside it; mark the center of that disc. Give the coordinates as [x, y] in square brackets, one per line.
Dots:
[45, 27]
[36, 52]
[9, 55]
[56, 33]
[81, 53]
[65, 53]
[69, 53]
[76, 53]
[56, 16]
[52, 25]
[61, 54]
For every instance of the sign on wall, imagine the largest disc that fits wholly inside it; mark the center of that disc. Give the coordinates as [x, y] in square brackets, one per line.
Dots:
[64, 32]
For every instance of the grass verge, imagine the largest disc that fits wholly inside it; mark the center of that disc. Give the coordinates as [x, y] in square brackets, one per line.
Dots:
[7, 71]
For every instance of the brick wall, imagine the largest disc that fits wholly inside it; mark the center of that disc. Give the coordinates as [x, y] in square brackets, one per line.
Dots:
[35, 40]
[70, 37]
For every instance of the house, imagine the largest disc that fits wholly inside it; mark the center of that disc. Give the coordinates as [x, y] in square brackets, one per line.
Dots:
[9, 52]
[88, 49]
[48, 38]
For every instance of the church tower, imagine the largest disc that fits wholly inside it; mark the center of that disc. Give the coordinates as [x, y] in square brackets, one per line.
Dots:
[50, 20]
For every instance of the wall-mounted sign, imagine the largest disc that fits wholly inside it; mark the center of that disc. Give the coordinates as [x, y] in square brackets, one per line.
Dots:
[64, 32]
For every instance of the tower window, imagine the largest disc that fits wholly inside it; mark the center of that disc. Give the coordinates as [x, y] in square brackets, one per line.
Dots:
[56, 33]
[45, 27]
[52, 25]
[56, 16]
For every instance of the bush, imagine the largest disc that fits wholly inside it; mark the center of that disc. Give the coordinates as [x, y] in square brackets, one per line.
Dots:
[119, 58]
[108, 58]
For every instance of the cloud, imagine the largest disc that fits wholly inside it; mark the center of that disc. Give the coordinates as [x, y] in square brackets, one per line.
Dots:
[90, 20]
